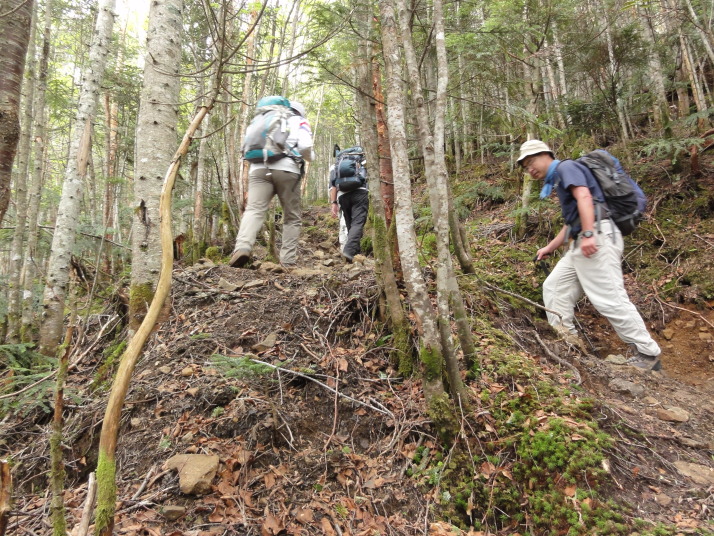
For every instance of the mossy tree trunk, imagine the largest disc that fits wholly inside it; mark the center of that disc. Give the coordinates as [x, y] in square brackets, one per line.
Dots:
[432, 148]
[366, 107]
[431, 353]
[156, 139]
[106, 466]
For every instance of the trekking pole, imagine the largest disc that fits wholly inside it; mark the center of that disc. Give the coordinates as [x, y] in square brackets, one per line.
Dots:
[544, 267]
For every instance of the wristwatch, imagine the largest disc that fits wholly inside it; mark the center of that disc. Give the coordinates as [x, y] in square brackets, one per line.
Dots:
[335, 202]
[587, 234]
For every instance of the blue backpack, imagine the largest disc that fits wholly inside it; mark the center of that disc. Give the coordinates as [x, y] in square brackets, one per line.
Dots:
[349, 172]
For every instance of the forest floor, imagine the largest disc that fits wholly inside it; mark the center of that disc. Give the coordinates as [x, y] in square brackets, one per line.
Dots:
[284, 380]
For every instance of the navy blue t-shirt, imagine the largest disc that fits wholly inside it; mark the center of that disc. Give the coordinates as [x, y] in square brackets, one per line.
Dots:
[572, 173]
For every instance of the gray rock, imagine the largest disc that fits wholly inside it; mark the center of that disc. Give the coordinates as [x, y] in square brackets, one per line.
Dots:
[254, 284]
[224, 284]
[616, 359]
[623, 386]
[196, 472]
[700, 474]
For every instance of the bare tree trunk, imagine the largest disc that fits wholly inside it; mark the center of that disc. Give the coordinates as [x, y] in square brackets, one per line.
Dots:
[156, 136]
[5, 495]
[17, 248]
[431, 353]
[198, 212]
[15, 27]
[67, 217]
[437, 177]
[697, 90]
[30, 260]
[366, 108]
[661, 109]
[57, 472]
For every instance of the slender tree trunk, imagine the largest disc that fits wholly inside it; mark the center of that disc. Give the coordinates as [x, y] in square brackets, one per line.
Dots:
[697, 90]
[372, 142]
[17, 247]
[30, 259]
[156, 136]
[437, 177]
[28, 269]
[660, 112]
[106, 465]
[199, 231]
[431, 353]
[15, 27]
[67, 217]
[57, 472]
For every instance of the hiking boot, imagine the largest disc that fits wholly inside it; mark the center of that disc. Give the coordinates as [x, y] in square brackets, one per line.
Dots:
[348, 258]
[239, 258]
[645, 362]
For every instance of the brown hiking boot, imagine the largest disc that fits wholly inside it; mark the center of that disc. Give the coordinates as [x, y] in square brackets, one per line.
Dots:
[239, 258]
[645, 362]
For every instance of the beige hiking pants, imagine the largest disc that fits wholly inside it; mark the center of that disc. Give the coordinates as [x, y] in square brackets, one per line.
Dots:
[600, 278]
[261, 189]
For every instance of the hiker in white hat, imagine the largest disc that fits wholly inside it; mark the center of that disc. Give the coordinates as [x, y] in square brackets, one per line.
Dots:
[592, 263]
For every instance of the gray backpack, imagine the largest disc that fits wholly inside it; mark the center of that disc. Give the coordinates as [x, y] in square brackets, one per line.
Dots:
[266, 136]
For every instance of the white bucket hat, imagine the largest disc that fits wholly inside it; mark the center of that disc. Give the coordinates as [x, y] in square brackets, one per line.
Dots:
[532, 147]
[298, 107]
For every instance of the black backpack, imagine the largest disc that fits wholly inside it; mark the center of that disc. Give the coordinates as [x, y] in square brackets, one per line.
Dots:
[624, 199]
[349, 172]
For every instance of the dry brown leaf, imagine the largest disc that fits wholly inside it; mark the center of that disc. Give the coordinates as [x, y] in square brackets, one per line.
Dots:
[327, 527]
[305, 515]
[271, 526]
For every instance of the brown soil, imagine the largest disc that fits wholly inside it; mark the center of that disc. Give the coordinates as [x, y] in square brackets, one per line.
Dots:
[322, 447]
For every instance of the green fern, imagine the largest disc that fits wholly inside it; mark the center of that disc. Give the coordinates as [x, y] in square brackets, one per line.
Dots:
[20, 367]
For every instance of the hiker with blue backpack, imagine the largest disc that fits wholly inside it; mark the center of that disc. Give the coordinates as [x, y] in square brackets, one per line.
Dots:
[348, 193]
[277, 143]
[599, 203]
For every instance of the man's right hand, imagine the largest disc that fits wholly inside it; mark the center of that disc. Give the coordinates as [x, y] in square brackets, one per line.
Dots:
[335, 209]
[542, 253]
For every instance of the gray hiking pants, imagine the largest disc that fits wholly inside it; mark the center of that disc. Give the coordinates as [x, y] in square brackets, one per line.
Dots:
[600, 278]
[261, 189]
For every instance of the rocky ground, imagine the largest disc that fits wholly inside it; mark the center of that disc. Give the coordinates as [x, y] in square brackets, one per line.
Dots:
[267, 404]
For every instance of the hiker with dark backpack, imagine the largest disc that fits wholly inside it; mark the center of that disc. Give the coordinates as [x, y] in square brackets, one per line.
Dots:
[277, 143]
[348, 192]
[599, 204]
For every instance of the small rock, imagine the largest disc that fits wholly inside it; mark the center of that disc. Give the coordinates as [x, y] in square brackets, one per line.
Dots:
[690, 325]
[196, 472]
[668, 333]
[326, 245]
[663, 499]
[223, 284]
[165, 369]
[705, 336]
[135, 422]
[359, 259]
[623, 386]
[329, 262]
[203, 262]
[187, 372]
[616, 359]
[700, 474]
[306, 272]
[266, 344]
[192, 391]
[672, 414]
[254, 284]
[172, 513]
[650, 401]
[319, 254]
[272, 268]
